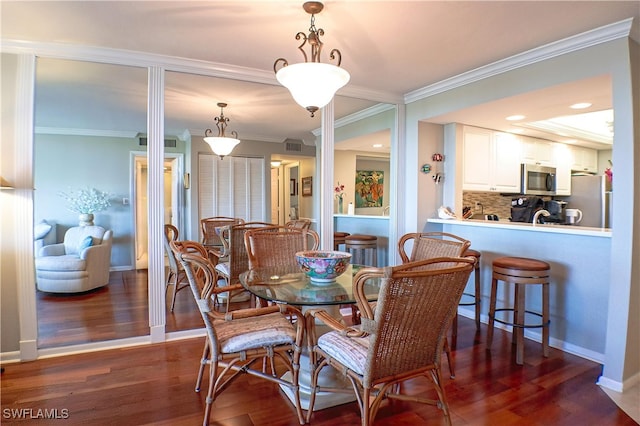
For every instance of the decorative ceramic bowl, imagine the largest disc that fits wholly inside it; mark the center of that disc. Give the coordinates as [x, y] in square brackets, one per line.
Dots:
[323, 266]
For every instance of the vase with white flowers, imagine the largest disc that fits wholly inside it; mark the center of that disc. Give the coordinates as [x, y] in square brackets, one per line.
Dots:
[86, 202]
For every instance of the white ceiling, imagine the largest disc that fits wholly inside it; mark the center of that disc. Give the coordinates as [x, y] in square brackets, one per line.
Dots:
[390, 48]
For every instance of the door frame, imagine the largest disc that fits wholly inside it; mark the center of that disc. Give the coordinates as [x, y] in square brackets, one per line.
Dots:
[177, 192]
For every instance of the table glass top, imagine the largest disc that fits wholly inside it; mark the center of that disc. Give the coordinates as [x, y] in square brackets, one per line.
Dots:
[291, 286]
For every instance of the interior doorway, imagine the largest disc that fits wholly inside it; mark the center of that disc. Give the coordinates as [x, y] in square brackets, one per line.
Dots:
[285, 182]
[173, 171]
[292, 183]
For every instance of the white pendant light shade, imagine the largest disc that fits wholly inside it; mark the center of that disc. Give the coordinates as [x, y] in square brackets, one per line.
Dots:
[221, 145]
[312, 84]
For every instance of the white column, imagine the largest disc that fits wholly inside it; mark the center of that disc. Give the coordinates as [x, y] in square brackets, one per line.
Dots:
[155, 203]
[23, 205]
[325, 188]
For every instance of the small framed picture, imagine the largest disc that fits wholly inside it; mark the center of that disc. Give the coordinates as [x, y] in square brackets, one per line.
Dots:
[293, 187]
[307, 186]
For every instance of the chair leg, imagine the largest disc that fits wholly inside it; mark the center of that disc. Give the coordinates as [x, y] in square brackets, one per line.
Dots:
[447, 351]
[454, 331]
[519, 330]
[175, 290]
[203, 362]
[492, 312]
[366, 409]
[545, 320]
[437, 384]
[477, 296]
[212, 379]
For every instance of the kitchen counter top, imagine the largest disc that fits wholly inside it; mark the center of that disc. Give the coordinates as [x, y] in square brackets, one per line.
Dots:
[360, 216]
[521, 226]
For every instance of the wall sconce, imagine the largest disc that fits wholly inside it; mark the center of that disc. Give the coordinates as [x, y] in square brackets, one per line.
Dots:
[312, 83]
[187, 181]
[221, 144]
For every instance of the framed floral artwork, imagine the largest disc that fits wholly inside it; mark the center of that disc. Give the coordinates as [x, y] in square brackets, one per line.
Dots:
[369, 188]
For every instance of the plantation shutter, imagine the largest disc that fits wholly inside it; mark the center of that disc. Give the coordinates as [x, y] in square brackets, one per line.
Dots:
[231, 187]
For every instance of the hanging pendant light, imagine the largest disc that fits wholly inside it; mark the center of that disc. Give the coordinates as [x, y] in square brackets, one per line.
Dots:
[312, 83]
[221, 145]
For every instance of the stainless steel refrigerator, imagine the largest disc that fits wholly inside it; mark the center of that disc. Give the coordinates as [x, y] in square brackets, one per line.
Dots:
[593, 196]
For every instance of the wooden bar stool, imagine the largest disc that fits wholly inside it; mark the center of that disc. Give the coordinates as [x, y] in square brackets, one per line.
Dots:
[363, 248]
[520, 271]
[339, 239]
[476, 297]
[364, 251]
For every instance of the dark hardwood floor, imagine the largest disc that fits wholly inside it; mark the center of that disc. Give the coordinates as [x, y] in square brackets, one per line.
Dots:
[116, 311]
[154, 384]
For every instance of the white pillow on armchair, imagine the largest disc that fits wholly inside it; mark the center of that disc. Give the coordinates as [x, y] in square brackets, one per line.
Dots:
[44, 234]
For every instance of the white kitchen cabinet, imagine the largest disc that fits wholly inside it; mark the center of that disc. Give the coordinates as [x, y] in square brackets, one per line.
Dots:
[537, 151]
[491, 161]
[563, 159]
[584, 159]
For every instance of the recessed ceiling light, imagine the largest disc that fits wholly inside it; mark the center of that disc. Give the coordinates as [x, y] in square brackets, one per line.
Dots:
[515, 117]
[580, 105]
[377, 145]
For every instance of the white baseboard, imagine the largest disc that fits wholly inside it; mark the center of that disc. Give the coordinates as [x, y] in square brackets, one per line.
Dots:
[8, 357]
[93, 347]
[617, 386]
[532, 335]
[121, 268]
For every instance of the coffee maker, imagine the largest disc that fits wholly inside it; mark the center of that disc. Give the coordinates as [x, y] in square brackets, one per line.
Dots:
[556, 211]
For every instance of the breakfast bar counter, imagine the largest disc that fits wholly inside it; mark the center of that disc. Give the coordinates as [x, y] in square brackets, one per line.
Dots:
[521, 226]
[580, 259]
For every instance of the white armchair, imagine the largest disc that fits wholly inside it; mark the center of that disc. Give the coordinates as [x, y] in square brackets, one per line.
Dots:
[78, 264]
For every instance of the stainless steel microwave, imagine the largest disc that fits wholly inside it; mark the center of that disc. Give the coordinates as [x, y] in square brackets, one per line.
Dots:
[538, 180]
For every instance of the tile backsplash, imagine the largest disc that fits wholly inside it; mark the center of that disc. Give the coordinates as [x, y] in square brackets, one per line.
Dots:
[492, 203]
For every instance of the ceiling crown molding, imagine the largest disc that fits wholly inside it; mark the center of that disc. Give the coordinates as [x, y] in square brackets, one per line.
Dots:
[596, 36]
[85, 132]
[355, 117]
[170, 63]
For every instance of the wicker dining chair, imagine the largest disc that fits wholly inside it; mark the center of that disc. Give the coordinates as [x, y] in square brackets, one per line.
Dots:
[240, 341]
[299, 223]
[198, 248]
[429, 245]
[232, 257]
[211, 238]
[176, 276]
[416, 303]
[277, 245]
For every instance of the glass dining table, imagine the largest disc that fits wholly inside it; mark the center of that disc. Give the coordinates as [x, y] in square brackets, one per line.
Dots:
[289, 285]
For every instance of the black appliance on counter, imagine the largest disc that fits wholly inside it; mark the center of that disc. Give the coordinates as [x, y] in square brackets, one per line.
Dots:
[556, 211]
[524, 208]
